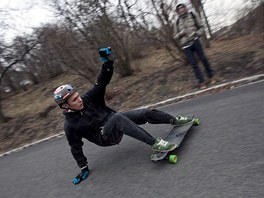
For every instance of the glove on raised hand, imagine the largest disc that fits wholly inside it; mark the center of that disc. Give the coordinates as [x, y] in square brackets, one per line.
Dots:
[106, 54]
[81, 176]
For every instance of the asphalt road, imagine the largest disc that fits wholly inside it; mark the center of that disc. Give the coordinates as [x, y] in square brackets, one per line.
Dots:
[223, 157]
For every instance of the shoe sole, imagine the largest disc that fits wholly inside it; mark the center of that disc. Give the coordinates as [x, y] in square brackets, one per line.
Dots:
[164, 151]
[176, 125]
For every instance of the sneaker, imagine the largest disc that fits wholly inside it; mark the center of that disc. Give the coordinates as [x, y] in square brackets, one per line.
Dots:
[212, 81]
[180, 120]
[163, 146]
[201, 86]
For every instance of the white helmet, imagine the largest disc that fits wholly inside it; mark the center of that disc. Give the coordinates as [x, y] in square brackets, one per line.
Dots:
[63, 92]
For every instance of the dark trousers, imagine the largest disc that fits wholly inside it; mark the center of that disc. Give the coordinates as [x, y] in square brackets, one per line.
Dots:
[127, 123]
[189, 53]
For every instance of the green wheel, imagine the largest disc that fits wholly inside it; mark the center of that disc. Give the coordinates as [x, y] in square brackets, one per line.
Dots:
[196, 122]
[173, 159]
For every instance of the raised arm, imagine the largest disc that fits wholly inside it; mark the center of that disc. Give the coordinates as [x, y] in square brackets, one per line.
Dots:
[104, 76]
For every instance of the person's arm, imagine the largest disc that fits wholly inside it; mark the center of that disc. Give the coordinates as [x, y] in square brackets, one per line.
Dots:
[199, 23]
[105, 75]
[103, 79]
[178, 31]
[76, 144]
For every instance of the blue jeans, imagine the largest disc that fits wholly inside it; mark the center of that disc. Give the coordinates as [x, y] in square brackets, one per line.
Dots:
[189, 53]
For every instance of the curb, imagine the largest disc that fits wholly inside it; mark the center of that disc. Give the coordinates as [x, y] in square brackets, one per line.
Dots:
[31, 144]
[229, 85]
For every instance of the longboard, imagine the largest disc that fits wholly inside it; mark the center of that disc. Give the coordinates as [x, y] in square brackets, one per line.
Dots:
[175, 136]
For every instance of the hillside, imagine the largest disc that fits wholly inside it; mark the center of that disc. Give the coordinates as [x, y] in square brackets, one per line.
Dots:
[252, 23]
[157, 78]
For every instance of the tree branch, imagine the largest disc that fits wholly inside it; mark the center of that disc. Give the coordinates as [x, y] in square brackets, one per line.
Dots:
[16, 61]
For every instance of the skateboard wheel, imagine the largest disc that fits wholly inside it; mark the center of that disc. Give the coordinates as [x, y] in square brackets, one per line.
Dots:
[173, 159]
[196, 122]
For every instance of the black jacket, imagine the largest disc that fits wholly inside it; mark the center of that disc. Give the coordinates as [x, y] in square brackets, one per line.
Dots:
[87, 122]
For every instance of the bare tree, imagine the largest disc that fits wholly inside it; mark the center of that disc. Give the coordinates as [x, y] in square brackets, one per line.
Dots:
[58, 56]
[92, 20]
[198, 6]
[26, 67]
[8, 66]
[206, 19]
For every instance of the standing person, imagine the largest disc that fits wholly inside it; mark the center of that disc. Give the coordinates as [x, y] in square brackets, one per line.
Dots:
[188, 29]
[88, 117]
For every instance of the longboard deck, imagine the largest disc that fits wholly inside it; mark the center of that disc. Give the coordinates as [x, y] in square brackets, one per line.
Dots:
[175, 136]
[177, 133]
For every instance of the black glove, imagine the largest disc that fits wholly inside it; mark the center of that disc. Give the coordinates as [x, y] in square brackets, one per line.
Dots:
[106, 54]
[81, 176]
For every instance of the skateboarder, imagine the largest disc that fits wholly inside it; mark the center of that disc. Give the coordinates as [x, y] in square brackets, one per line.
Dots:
[88, 117]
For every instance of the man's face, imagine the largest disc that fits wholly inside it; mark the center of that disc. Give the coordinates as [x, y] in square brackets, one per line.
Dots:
[75, 102]
[181, 10]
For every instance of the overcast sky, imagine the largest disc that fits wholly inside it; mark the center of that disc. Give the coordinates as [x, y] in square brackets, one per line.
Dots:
[24, 14]
[27, 13]
[32, 13]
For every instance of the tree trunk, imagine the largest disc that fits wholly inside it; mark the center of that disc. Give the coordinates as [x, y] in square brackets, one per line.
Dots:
[3, 73]
[206, 21]
[10, 83]
[124, 67]
[198, 7]
[3, 118]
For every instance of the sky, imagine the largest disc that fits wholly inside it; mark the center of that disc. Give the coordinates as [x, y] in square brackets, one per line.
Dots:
[222, 12]
[26, 14]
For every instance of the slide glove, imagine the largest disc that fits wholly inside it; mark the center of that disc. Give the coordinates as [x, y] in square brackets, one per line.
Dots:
[106, 54]
[81, 176]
